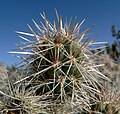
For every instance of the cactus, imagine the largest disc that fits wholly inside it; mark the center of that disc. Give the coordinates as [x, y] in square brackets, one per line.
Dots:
[61, 72]
[109, 103]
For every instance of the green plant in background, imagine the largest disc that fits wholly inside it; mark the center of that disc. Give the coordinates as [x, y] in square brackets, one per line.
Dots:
[112, 51]
[61, 75]
[116, 44]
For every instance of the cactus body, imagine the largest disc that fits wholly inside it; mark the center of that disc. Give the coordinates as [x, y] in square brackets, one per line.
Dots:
[60, 65]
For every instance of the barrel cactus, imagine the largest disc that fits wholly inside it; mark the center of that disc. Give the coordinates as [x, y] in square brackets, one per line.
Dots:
[60, 66]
